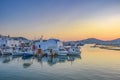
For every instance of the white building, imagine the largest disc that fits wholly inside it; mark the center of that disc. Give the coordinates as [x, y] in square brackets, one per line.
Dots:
[2, 41]
[8, 42]
[49, 44]
[12, 43]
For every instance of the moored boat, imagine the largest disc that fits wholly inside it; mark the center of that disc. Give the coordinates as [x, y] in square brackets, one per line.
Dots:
[62, 51]
[7, 52]
[27, 54]
[17, 53]
[74, 50]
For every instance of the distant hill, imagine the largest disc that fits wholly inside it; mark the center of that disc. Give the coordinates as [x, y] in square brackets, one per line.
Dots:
[115, 42]
[97, 41]
[91, 41]
[94, 41]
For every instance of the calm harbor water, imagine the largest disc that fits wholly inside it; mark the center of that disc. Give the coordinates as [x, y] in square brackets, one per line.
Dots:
[92, 64]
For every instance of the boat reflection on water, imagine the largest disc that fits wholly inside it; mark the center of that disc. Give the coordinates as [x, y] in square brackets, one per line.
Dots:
[50, 60]
[28, 62]
[5, 59]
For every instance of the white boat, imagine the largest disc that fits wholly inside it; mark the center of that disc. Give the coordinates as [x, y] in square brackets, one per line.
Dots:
[27, 54]
[17, 53]
[62, 51]
[26, 51]
[49, 52]
[7, 52]
[74, 50]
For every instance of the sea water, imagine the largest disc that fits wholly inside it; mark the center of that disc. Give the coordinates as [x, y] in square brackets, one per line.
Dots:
[91, 64]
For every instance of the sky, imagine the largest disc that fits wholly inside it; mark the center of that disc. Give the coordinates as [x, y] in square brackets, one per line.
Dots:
[62, 19]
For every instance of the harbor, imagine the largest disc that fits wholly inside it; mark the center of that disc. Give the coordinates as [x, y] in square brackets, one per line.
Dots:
[59, 39]
[27, 48]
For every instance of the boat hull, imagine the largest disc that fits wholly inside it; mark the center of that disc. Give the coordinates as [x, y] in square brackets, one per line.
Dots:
[17, 54]
[27, 54]
[62, 53]
[6, 53]
[74, 53]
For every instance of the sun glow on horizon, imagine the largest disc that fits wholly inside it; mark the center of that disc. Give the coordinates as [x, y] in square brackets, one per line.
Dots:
[75, 20]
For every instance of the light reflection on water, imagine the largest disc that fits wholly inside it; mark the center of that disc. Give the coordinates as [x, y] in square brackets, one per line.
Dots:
[92, 64]
[28, 61]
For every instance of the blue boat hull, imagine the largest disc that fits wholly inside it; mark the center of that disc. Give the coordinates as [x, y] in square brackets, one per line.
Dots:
[27, 54]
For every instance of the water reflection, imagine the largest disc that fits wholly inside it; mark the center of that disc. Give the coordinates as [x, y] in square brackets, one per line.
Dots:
[50, 60]
[96, 64]
[28, 62]
[5, 59]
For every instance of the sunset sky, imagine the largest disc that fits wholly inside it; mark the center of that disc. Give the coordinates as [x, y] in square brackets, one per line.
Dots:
[62, 19]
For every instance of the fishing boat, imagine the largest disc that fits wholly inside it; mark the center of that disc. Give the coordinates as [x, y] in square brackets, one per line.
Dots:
[27, 54]
[74, 50]
[49, 52]
[7, 52]
[22, 52]
[17, 53]
[62, 51]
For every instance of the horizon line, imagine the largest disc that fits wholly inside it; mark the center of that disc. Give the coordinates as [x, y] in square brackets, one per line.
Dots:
[63, 40]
